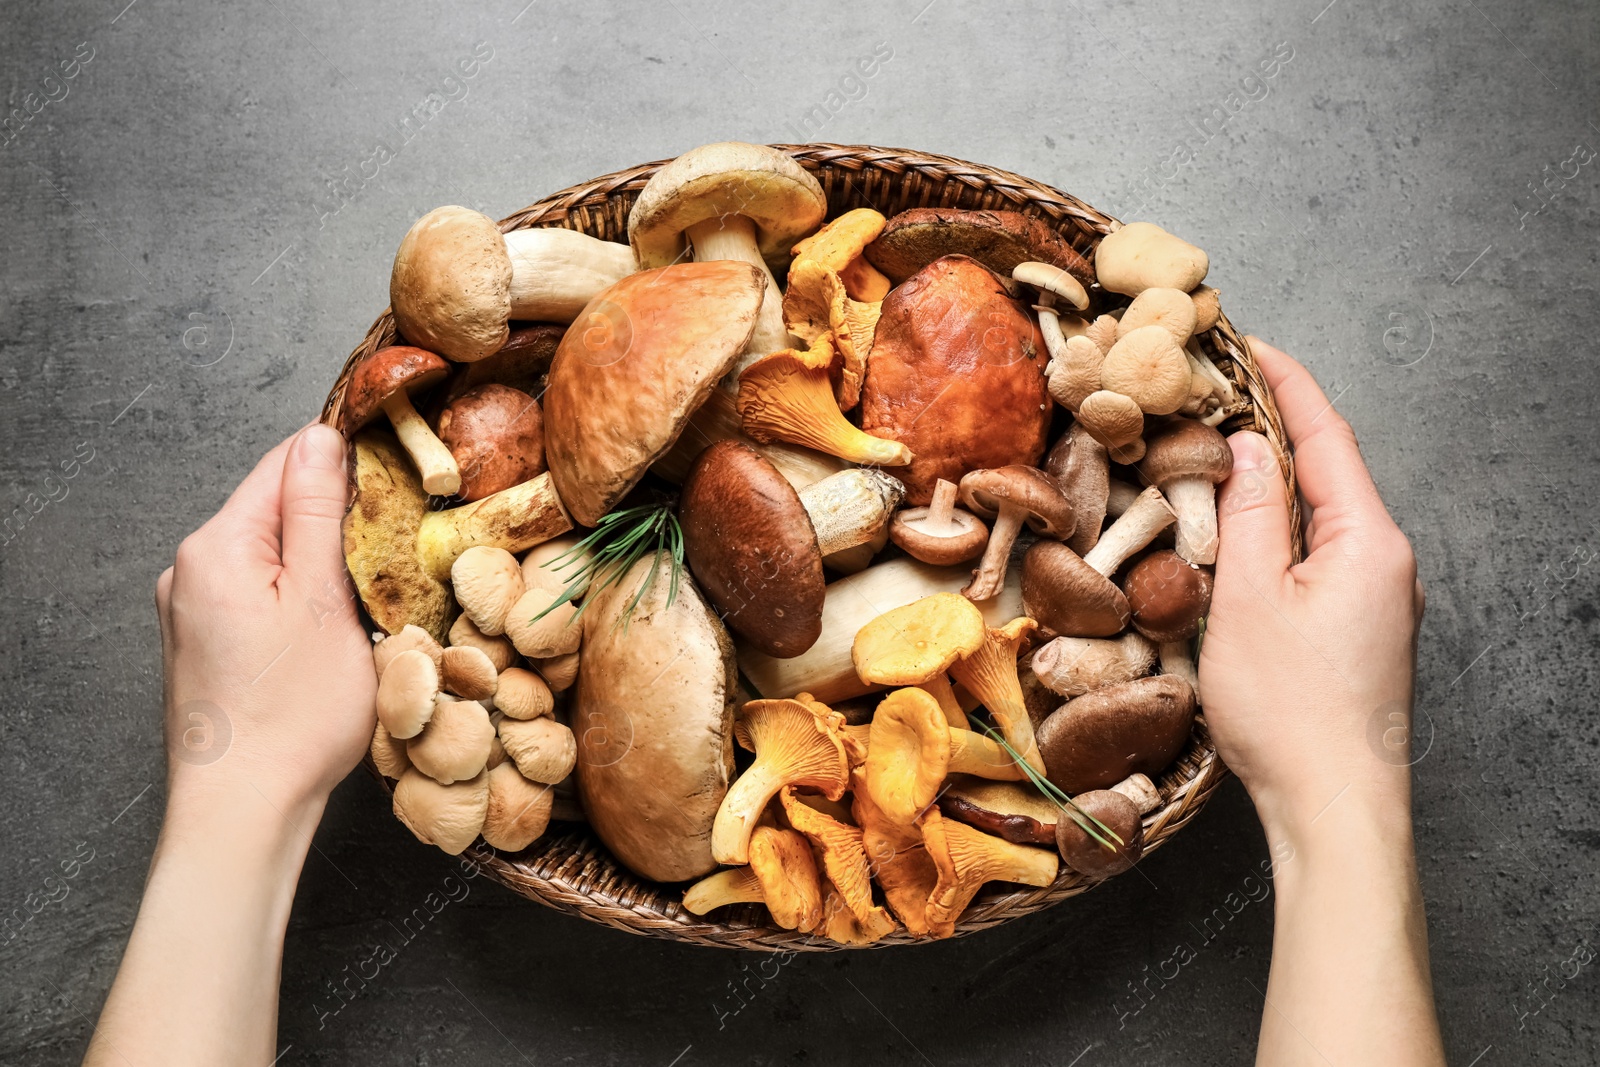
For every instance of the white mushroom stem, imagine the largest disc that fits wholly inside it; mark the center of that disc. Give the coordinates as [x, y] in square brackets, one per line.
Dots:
[1120, 497]
[441, 476]
[556, 272]
[1141, 790]
[1073, 666]
[1201, 363]
[940, 519]
[1194, 502]
[991, 573]
[1178, 661]
[1135, 528]
[849, 508]
[734, 237]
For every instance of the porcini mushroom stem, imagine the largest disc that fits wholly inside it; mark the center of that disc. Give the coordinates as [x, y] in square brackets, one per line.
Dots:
[849, 508]
[1194, 502]
[1147, 516]
[1178, 661]
[991, 573]
[734, 237]
[441, 476]
[555, 272]
[513, 519]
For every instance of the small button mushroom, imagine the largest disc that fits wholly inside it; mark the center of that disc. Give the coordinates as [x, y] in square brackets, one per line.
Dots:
[967, 859]
[1207, 307]
[457, 281]
[1074, 595]
[990, 675]
[543, 749]
[448, 816]
[1148, 365]
[496, 435]
[518, 812]
[1000, 240]
[522, 694]
[1082, 469]
[1171, 309]
[406, 694]
[788, 396]
[1187, 459]
[410, 638]
[382, 383]
[1141, 255]
[1097, 740]
[487, 582]
[455, 743]
[1012, 496]
[539, 626]
[917, 643]
[795, 744]
[388, 753]
[941, 533]
[1102, 810]
[729, 201]
[1015, 811]
[501, 652]
[468, 673]
[782, 874]
[1073, 666]
[1116, 421]
[1169, 596]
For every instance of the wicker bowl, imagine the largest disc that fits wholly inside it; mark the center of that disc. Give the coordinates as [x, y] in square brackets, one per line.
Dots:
[569, 869]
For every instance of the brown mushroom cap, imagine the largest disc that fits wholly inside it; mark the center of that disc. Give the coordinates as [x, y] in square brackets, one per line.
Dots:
[1086, 855]
[387, 371]
[639, 360]
[1067, 596]
[496, 434]
[1048, 512]
[965, 538]
[1185, 448]
[1080, 466]
[1097, 740]
[751, 546]
[451, 284]
[1000, 240]
[1168, 596]
[1016, 811]
[522, 362]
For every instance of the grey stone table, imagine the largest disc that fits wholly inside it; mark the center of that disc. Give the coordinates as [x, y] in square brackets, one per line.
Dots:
[201, 203]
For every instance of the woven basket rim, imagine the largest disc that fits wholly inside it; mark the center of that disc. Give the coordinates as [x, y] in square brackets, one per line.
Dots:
[568, 869]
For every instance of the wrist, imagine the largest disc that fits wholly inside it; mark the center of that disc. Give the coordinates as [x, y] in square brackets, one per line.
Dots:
[239, 826]
[1359, 831]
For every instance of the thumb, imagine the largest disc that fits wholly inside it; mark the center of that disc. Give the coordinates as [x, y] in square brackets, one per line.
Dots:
[1253, 529]
[313, 505]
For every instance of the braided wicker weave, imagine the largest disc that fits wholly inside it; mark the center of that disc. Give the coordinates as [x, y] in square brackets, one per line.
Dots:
[568, 869]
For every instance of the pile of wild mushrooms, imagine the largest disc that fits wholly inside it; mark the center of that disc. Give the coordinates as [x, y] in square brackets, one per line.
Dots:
[917, 511]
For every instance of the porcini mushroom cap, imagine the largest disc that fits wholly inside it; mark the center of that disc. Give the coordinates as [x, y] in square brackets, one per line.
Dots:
[496, 434]
[521, 363]
[454, 745]
[910, 644]
[622, 388]
[1049, 513]
[1185, 448]
[518, 812]
[760, 183]
[1067, 596]
[1000, 240]
[449, 816]
[451, 284]
[750, 544]
[1168, 596]
[382, 374]
[380, 534]
[1096, 740]
[1090, 857]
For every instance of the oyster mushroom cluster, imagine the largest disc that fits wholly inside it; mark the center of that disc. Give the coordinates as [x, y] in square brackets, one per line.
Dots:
[830, 561]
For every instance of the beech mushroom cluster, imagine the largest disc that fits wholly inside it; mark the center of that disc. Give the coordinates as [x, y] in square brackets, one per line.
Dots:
[761, 537]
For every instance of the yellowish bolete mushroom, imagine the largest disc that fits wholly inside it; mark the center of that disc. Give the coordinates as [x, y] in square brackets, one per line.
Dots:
[990, 674]
[795, 744]
[782, 874]
[455, 744]
[967, 859]
[916, 644]
[449, 816]
[790, 396]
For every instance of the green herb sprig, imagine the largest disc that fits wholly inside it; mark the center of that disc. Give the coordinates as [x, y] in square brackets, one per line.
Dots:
[617, 542]
[1055, 793]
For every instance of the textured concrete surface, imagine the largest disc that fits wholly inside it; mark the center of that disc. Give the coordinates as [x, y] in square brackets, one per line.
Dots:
[198, 227]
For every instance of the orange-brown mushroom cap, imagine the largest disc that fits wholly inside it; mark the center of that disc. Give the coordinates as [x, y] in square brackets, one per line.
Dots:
[968, 858]
[496, 434]
[795, 744]
[908, 754]
[387, 371]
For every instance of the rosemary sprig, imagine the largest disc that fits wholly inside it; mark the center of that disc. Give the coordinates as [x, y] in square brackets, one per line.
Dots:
[1053, 792]
[617, 542]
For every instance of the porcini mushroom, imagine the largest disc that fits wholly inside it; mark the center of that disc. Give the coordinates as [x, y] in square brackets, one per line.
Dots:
[521, 363]
[1169, 596]
[755, 545]
[1141, 255]
[1187, 459]
[782, 874]
[406, 693]
[620, 392]
[518, 812]
[1000, 240]
[1012, 496]
[967, 859]
[941, 533]
[990, 673]
[454, 745]
[1097, 740]
[1081, 468]
[908, 754]
[1148, 365]
[730, 201]
[1101, 859]
[448, 816]
[1073, 666]
[457, 281]
[795, 744]
[543, 749]
[788, 396]
[496, 435]
[915, 644]
[382, 383]
[399, 553]
[1074, 595]
[487, 582]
